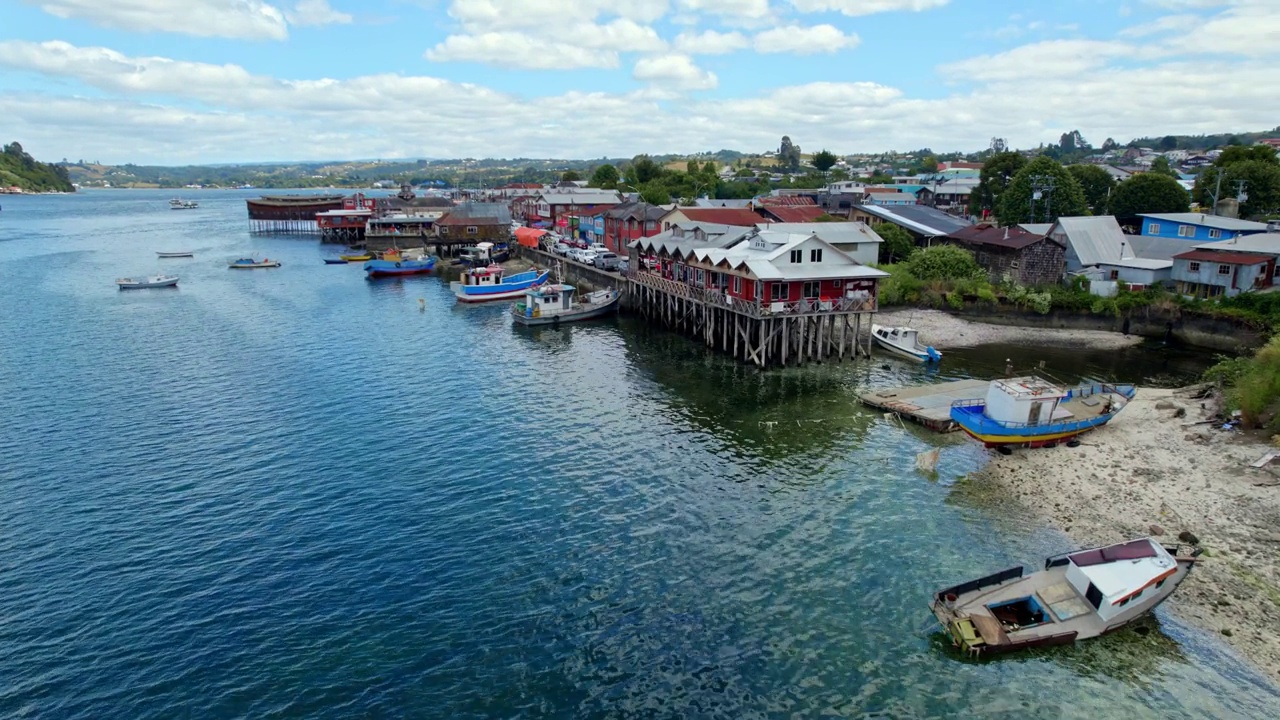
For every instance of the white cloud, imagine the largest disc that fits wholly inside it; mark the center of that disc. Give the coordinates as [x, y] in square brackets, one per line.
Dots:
[243, 19]
[804, 40]
[711, 42]
[589, 45]
[854, 8]
[316, 12]
[1252, 29]
[674, 71]
[747, 9]
[1049, 59]
[477, 16]
[1168, 23]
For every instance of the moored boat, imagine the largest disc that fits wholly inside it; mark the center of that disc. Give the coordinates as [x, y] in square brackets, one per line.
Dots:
[1077, 596]
[334, 261]
[175, 254]
[482, 254]
[1033, 412]
[904, 341]
[490, 284]
[155, 281]
[395, 264]
[177, 204]
[250, 263]
[555, 304]
[363, 257]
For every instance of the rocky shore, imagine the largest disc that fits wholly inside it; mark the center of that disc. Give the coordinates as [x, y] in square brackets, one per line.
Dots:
[948, 331]
[1165, 467]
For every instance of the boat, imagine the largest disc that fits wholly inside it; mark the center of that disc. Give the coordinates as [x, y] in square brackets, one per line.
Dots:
[491, 283]
[1077, 596]
[482, 254]
[394, 264]
[155, 281]
[356, 258]
[554, 304]
[334, 261]
[250, 264]
[1033, 412]
[904, 341]
[175, 254]
[177, 204]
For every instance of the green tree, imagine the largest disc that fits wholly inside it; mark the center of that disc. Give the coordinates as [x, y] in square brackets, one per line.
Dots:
[655, 194]
[1160, 166]
[1167, 143]
[643, 170]
[898, 244]
[996, 173]
[1059, 194]
[605, 177]
[1097, 185]
[824, 160]
[788, 156]
[928, 164]
[944, 262]
[709, 168]
[570, 176]
[1148, 193]
[1239, 153]
[838, 175]
[692, 167]
[1258, 181]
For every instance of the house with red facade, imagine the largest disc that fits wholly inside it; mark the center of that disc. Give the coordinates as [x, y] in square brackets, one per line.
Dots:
[742, 217]
[553, 206]
[631, 221]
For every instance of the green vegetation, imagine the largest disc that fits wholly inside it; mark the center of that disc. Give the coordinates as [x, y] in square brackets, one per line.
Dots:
[1255, 171]
[1041, 192]
[824, 160]
[1097, 185]
[1148, 193]
[898, 243]
[1252, 385]
[19, 169]
[996, 173]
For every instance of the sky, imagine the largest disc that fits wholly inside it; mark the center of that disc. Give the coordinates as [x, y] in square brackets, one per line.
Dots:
[173, 82]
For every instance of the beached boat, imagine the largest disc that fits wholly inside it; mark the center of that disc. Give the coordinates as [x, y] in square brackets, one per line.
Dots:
[904, 341]
[155, 281]
[395, 264]
[363, 257]
[555, 304]
[250, 264]
[1033, 412]
[482, 254]
[1077, 596]
[175, 254]
[490, 284]
[334, 261]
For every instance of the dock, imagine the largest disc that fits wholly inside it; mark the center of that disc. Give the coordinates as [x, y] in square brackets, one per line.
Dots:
[928, 405]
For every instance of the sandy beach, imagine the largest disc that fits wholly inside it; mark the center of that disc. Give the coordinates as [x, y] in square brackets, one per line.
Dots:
[1151, 472]
[944, 331]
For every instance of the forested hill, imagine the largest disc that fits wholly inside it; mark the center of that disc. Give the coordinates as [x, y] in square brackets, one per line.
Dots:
[19, 169]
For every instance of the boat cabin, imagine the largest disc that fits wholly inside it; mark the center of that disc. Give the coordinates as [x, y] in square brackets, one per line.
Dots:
[1111, 578]
[548, 300]
[488, 275]
[1025, 401]
[480, 253]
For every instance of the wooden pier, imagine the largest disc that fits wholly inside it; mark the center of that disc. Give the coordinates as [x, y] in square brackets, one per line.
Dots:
[928, 405]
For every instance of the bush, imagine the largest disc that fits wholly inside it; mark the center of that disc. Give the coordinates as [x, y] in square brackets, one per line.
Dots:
[943, 262]
[1040, 302]
[987, 296]
[901, 287]
[955, 300]
[1252, 384]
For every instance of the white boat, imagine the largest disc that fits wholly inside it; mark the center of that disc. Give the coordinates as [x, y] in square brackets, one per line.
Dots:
[175, 254]
[250, 263]
[155, 281]
[179, 204]
[904, 341]
[554, 304]
[1077, 596]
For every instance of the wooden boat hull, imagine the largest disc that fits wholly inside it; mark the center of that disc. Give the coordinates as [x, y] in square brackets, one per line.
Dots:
[587, 313]
[399, 268]
[254, 266]
[355, 258]
[175, 254]
[976, 425]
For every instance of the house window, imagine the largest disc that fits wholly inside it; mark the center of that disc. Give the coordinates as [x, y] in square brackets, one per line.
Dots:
[701, 277]
[837, 284]
[1115, 275]
[778, 291]
[812, 289]
[472, 229]
[1224, 269]
[1186, 231]
[1193, 267]
[797, 256]
[737, 285]
[1153, 229]
[815, 255]
[444, 230]
[1013, 265]
[1214, 234]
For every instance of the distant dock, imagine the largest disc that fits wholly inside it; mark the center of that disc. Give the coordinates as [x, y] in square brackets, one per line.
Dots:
[928, 405]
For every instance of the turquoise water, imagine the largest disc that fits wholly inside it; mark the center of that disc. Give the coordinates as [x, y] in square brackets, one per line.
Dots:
[296, 493]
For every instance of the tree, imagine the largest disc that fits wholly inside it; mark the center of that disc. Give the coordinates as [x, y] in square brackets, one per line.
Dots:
[570, 176]
[692, 167]
[788, 156]
[928, 164]
[1109, 144]
[1160, 166]
[709, 168]
[1148, 193]
[1239, 153]
[605, 177]
[654, 194]
[1249, 174]
[824, 160]
[943, 262]
[1043, 191]
[996, 173]
[999, 145]
[1167, 143]
[1097, 185]
[642, 170]
[898, 244]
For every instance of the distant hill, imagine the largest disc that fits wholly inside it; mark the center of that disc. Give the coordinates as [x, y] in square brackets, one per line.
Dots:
[1203, 142]
[19, 169]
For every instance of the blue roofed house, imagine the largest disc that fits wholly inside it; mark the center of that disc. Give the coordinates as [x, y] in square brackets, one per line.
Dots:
[1198, 227]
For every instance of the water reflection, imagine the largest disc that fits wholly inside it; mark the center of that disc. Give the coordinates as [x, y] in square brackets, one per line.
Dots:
[1150, 363]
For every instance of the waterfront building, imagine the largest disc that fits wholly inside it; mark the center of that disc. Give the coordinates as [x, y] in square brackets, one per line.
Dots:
[1215, 273]
[473, 222]
[741, 217]
[290, 213]
[630, 221]
[1013, 253]
[923, 222]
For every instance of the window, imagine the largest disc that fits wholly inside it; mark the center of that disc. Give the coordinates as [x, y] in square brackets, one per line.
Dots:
[812, 289]
[778, 291]
[1115, 275]
[1186, 231]
[1013, 265]
[837, 284]
[472, 229]
[1124, 602]
[1160, 584]
[815, 255]
[1193, 266]
[1224, 269]
[444, 230]
[1153, 229]
[797, 256]
[1214, 234]
[737, 285]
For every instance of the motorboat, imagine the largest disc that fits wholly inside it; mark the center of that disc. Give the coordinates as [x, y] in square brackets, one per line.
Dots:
[251, 264]
[904, 341]
[363, 257]
[334, 261]
[482, 254]
[1077, 596]
[175, 254]
[556, 304]
[393, 263]
[491, 283]
[1034, 412]
[177, 204]
[155, 281]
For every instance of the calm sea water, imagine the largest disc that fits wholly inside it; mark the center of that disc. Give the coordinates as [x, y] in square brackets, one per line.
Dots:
[296, 493]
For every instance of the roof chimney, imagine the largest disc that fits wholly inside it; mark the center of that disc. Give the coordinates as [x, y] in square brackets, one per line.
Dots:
[1006, 233]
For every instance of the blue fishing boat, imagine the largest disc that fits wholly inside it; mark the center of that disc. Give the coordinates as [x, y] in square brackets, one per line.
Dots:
[1032, 412]
[393, 264]
[490, 284]
[334, 261]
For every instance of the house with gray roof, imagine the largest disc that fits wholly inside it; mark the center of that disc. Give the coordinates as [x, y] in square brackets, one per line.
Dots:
[1098, 249]
[923, 222]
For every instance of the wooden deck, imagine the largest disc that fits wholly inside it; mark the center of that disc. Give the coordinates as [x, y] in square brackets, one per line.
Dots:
[928, 405]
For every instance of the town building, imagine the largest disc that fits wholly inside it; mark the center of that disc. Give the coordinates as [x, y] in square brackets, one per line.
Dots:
[631, 221]
[1197, 227]
[1013, 253]
[924, 223]
[1098, 249]
[473, 222]
[552, 207]
[1212, 273]
[679, 215]
[855, 239]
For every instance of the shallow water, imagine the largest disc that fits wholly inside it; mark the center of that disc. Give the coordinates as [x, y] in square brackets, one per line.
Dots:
[297, 493]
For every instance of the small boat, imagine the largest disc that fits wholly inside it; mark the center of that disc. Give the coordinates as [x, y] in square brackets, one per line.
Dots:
[176, 204]
[356, 258]
[490, 284]
[155, 281]
[394, 264]
[1077, 596]
[554, 304]
[250, 264]
[904, 341]
[482, 254]
[1033, 412]
[175, 254]
[334, 261]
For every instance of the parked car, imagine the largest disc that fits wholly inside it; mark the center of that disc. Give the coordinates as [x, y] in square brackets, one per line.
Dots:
[606, 260]
[587, 257]
[598, 247]
[561, 249]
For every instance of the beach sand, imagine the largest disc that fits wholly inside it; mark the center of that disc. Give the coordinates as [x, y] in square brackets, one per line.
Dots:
[1149, 467]
[944, 331]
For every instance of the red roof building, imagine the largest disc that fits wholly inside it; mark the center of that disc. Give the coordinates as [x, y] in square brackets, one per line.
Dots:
[786, 200]
[1214, 273]
[795, 214]
[741, 217]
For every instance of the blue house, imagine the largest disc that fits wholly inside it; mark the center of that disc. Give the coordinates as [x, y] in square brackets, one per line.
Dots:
[1197, 227]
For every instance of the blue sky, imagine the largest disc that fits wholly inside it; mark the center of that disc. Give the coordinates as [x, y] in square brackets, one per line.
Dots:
[177, 81]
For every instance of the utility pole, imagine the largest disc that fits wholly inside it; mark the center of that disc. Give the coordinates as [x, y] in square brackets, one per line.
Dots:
[1041, 188]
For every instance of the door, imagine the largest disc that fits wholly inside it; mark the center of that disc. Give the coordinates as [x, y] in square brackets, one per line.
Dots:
[1033, 418]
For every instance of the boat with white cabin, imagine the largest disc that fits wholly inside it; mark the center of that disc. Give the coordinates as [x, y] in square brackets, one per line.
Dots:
[556, 304]
[180, 204]
[251, 264]
[154, 281]
[491, 283]
[904, 341]
[1077, 596]
[1033, 412]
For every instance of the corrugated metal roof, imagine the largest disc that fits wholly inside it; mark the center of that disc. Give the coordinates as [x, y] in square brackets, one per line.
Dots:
[1224, 258]
[1095, 240]
[801, 214]
[920, 219]
[724, 216]
[835, 233]
[1014, 238]
[1154, 248]
[787, 200]
[1210, 221]
[1268, 243]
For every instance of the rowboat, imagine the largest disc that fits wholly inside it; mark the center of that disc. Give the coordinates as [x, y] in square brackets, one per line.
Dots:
[333, 261]
[393, 264]
[356, 258]
[175, 254]
[1033, 412]
[490, 284]
[155, 281]
[555, 304]
[1077, 596]
[250, 264]
[904, 341]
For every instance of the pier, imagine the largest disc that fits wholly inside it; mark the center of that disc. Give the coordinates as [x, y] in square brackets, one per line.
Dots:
[290, 214]
[928, 405]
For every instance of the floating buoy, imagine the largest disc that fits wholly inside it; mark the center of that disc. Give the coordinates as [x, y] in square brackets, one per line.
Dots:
[422, 303]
